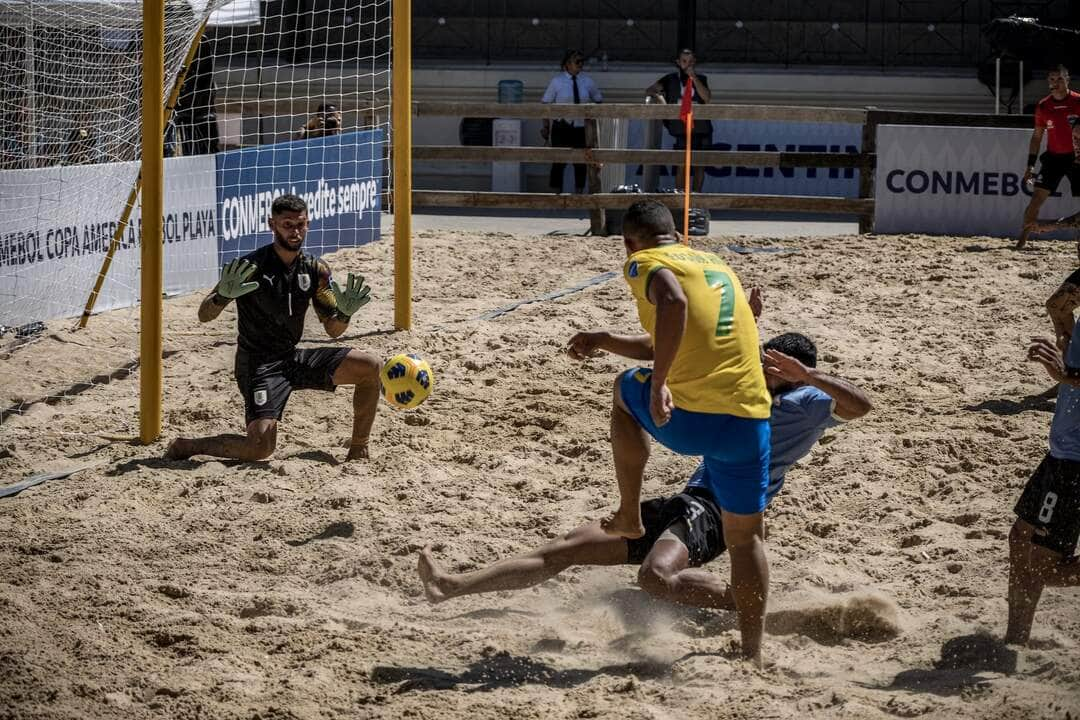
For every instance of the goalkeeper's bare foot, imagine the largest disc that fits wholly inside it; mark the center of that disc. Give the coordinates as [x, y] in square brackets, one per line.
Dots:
[358, 451]
[623, 524]
[433, 577]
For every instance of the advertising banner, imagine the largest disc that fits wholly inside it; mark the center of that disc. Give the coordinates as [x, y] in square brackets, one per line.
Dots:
[339, 177]
[956, 181]
[56, 225]
[762, 136]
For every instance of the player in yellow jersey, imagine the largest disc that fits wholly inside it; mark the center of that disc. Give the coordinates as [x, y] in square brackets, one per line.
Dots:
[705, 395]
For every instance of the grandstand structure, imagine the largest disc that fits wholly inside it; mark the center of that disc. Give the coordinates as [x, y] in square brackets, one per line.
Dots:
[890, 54]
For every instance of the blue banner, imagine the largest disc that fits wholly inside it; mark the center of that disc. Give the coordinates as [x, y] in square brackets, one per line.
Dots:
[339, 177]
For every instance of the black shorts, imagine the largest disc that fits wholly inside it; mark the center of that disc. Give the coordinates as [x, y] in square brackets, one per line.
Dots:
[1055, 166]
[1051, 502]
[699, 526]
[266, 386]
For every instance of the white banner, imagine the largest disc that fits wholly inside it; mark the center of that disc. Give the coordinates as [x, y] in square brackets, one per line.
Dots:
[56, 225]
[956, 181]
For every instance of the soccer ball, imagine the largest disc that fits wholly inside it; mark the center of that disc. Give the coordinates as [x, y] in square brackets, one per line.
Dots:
[407, 381]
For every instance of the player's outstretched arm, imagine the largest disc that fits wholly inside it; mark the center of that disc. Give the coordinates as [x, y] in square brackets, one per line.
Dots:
[592, 344]
[235, 282]
[851, 401]
[756, 299]
[1045, 352]
[1060, 306]
[335, 306]
[211, 306]
[671, 303]
[1033, 152]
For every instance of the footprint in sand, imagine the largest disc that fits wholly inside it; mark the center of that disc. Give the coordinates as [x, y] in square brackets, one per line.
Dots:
[262, 607]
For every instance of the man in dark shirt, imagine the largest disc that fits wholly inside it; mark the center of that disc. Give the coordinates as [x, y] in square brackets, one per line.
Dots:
[272, 288]
[669, 89]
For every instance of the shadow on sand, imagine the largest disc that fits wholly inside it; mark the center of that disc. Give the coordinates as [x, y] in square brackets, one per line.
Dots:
[963, 660]
[343, 529]
[1037, 403]
[503, 670]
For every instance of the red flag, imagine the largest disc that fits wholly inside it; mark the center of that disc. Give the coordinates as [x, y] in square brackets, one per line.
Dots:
[686, 112]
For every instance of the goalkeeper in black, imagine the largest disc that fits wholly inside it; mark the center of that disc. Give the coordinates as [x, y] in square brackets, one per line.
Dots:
[272, 288]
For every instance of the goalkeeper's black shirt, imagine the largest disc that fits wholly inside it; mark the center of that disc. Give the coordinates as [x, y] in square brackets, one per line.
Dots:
[270, 321]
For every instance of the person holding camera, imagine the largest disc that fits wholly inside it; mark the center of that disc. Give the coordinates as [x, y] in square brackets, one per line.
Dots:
[569, 86]
[669, 89]
[326, 121]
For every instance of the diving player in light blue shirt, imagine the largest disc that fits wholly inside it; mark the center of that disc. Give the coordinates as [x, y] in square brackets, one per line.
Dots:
[805, 403]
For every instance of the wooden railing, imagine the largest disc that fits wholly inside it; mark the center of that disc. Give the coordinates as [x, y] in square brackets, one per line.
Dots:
[864, 161]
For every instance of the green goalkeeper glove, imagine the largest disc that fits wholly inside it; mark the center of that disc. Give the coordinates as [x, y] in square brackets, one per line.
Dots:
[355, 295]
[234, 276]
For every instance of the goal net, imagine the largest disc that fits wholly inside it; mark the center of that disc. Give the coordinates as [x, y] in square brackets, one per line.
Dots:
[269, 97]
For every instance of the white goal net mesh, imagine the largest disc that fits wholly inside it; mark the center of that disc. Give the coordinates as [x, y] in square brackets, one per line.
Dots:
[279, 96]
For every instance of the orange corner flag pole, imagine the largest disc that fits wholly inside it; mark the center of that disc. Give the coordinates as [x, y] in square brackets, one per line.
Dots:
[686, 183]
[686, 114]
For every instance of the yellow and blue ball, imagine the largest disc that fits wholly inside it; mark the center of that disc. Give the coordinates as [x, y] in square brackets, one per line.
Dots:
[407, 381]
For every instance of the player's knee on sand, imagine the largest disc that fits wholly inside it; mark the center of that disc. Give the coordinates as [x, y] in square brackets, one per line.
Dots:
[263, 448]
[658, 572]
[262, 441]
[655, 578]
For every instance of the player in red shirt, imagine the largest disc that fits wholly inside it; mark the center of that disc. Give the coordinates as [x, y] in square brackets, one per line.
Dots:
[1055, 116]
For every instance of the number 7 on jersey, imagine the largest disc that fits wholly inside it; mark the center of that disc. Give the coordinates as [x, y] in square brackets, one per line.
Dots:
[725, 319]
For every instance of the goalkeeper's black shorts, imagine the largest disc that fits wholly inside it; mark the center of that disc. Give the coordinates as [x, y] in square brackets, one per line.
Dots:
[266, 385]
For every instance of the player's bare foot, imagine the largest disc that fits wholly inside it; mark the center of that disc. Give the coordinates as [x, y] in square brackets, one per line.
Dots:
[623, 524]
[755, 660]
[358, 451]
[179, 449]
[433, 577]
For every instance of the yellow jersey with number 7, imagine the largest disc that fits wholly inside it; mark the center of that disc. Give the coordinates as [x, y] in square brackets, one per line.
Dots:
[717, 368]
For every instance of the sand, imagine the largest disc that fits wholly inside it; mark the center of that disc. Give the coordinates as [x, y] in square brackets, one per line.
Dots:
[288, 589]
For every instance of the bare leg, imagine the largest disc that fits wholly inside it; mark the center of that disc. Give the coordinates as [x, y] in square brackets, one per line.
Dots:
[1031, 568]
[362, 370]
[1064, 573]
[744, 536]
[664, 574]
[586, 545]
[258, 444]
[1031, 215]
[630, 446]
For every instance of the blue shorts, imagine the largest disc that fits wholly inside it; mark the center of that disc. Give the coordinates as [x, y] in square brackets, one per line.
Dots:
[735, 450]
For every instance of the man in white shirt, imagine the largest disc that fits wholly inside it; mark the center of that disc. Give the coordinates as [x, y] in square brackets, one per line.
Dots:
[569, 86]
